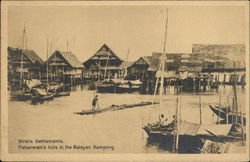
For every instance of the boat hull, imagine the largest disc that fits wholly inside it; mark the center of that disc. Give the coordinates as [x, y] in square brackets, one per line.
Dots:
[116, 89]
[22, 97]
[220, 112]
[165, 140]
[37, 99]
[60, 94]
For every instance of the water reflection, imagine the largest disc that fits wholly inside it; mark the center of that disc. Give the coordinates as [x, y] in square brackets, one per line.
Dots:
[187, 144]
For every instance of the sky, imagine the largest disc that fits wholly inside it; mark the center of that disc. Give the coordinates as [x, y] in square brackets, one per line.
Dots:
[138, 29]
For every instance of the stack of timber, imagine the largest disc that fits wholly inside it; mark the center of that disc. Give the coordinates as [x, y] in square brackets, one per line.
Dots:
[114, 107]
[211, 147]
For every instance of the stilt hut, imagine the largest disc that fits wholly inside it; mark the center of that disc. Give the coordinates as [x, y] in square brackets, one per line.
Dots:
[104, 63]
[23, 61]
[64, 67]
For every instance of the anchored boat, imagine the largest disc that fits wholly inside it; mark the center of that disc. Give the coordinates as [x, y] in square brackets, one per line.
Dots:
[228, 115]
[118, 86]
[40, 95]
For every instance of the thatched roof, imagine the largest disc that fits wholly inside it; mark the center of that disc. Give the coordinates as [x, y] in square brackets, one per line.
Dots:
[30, 54]
[69, 57]
[126, 64]
[152, 62]
[103, 54]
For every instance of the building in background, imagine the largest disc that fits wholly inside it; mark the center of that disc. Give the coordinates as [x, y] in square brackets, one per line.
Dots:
[23, 64]
[222, 61]
[125, 66]
[103, 64]
[64, 67]
[144, 67]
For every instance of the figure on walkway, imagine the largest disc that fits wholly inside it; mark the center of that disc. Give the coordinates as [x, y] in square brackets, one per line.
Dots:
[95, 102]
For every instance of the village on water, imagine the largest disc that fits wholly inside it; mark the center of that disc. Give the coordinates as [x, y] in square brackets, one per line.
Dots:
[167, 78]
[32, 79]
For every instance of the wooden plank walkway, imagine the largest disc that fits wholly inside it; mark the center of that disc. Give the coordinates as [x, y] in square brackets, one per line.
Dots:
[114, 107]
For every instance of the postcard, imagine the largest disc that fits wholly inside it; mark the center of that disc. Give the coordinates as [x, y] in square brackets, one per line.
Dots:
[124, 81]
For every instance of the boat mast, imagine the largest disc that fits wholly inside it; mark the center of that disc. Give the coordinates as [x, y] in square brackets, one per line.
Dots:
[200, 109]
[161, 68]
[47, 61]
[235, 105]
[21, 68]
[106, 65]
[127, 54]
[176, 131]
[124, 68]
[163, 61]
[67, 45]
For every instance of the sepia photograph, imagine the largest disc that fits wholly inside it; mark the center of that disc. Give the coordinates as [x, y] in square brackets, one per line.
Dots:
[136, 80]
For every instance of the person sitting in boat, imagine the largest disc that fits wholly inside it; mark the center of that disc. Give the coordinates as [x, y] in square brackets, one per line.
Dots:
[161, 123]
[173, 123]
[168, 126]
[95, 102]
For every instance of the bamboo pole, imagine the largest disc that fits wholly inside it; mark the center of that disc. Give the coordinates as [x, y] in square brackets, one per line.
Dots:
[178, 124]
[200, 109]
[99, 69]
[106, 65]
[219, 108]
[176, 127]
[235, 95]
[227, 109]
[163, 60]
[47, 62]
[242, 126]
[227, 116]
[21, 72]
[162, 79]
[142, 127]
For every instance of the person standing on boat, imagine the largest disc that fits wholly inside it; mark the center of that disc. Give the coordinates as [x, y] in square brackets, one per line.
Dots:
[95, 102]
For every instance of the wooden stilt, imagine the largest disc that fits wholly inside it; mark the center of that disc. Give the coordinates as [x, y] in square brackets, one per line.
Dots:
[219, 108]
[200, 109]
[142, 126]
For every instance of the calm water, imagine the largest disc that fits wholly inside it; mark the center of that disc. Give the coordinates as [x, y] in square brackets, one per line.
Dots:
[121, 129]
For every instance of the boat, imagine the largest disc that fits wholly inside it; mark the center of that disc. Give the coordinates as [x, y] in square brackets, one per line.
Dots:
[227, 115]
[179, 135]
[230, 114]
[21, 95]
[118, 86]
[113, 108]
[58, 89]
[22, 92]
[191, 136]
[53, 87]
[62, 93]
[115, 84]
[40, 95]
[129, 86]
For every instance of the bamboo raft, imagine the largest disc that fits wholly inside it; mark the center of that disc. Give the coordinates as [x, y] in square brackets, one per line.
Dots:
[114, 107]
